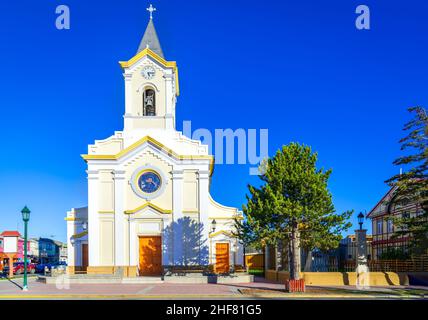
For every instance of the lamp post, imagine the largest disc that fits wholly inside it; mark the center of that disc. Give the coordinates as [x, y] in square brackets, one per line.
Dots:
[212, 231]
[25, 217]
[213, 226]
[363, 281]
[361, 220]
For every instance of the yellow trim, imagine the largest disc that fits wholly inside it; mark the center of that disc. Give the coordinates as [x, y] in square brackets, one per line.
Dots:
[80, 235]
[225, 218]
[221, 232]
[72, 219]
[106, 212]
[162, 61]
[150, 205]
[177, 83]
[157, 144]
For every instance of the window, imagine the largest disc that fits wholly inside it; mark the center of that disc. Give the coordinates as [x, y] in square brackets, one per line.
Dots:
[390, 226]
[149, 102]
[405, 215]
[379, 227]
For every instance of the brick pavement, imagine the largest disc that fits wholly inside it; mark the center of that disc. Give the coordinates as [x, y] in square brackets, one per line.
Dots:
[37, 288]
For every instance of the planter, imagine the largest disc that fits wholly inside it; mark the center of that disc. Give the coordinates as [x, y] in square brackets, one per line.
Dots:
[295, 286]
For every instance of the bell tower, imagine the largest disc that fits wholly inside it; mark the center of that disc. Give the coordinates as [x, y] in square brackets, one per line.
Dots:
[151, 85]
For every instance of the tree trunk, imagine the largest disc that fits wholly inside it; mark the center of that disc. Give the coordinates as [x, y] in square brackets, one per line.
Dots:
[294, 253]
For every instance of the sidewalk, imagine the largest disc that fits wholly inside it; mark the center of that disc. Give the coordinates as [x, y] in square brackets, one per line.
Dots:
[257, 290]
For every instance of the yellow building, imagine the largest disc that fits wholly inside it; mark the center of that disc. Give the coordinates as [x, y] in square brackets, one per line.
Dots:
[149, 203]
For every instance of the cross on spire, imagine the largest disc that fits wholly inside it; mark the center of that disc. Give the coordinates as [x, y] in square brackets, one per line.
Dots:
[151, 9]
[150, 38]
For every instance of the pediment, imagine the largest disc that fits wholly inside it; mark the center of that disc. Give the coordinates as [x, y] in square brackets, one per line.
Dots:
[383, 203]
[149, 54]
[149, 207]
[138, 59]
[148, 142]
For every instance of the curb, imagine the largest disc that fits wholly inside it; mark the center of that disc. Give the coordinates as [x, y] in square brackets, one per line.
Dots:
[187, 297]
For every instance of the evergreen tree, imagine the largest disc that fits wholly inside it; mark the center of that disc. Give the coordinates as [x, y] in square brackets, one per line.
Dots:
[411, 187]
[292, 205]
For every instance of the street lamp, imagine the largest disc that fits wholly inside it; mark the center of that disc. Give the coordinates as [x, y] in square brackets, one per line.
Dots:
[25, 217]
[361, 220]
[213, 226]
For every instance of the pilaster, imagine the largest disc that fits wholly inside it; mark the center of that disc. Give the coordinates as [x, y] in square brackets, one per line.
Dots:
[204, 179]
[177, 206]
[93, 223]
[169, 100]
[128, 101]
[119, 217]
[70, 248]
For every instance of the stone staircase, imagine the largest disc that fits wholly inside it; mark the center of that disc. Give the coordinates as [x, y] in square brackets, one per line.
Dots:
[98, 279]
[142, 280]
[116, 279]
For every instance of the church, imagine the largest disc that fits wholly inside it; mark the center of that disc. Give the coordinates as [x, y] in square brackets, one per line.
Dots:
[149, 204]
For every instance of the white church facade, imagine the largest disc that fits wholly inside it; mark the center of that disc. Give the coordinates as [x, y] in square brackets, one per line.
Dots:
[149, 203]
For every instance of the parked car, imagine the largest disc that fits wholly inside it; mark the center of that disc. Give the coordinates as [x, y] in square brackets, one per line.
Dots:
[40, 268]
[58, 266]
[18, 268]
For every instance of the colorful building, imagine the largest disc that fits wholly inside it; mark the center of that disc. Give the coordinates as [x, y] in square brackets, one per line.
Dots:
[49, 251]
[383, 227]
[33, 252]
[19, 257]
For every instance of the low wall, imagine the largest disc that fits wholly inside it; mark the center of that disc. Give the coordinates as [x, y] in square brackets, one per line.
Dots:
[125, 271]
[255, 261]
[342, 278]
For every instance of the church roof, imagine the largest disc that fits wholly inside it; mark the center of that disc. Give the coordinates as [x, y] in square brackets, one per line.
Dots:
[151, 40]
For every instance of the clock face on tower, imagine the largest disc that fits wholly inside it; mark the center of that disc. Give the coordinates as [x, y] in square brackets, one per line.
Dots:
[149, 182]
[148, 72]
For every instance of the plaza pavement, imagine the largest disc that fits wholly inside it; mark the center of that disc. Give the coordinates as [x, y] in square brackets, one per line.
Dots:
[11, 289]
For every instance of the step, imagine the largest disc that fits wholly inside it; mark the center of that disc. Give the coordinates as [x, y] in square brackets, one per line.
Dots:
[142, 280]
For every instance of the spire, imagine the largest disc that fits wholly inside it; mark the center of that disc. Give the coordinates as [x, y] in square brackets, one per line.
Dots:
[150, 38]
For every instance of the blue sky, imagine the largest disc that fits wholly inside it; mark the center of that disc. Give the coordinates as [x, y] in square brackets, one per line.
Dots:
[298, 68]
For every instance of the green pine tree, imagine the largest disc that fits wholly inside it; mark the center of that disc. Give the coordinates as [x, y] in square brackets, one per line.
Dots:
[292, 205]
[411, 187]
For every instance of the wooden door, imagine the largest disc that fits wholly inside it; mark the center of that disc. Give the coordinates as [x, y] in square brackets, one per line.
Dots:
[85, 257]
[222, 258]
[150, 256]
